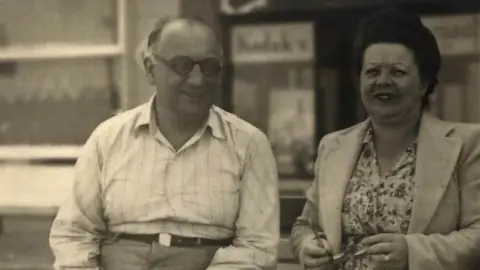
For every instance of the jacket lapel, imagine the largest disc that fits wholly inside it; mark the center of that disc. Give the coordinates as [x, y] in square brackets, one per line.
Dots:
[437, 155]
[337, 164]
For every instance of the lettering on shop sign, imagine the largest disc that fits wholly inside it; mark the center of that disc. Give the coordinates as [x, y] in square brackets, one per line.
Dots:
[455, 34]
[273, 43]
[241, 6]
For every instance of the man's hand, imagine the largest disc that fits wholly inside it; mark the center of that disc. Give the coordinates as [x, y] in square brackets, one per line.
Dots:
[387, 249]
[315, 254]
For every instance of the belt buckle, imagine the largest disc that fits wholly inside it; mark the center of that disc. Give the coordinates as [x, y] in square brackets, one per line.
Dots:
[164, 239]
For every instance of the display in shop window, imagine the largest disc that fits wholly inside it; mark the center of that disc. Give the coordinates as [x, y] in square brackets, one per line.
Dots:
[273, 90]
[291, 130]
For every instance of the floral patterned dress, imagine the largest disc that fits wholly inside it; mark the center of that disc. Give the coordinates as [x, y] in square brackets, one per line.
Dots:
[375, 204]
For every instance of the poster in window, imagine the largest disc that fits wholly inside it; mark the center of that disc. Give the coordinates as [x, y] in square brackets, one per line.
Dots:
[291, 129]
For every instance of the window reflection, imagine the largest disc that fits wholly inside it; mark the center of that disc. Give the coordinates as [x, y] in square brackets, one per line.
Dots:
[274, 91]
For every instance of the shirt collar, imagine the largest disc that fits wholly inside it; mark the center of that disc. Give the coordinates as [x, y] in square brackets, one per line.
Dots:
[368, 140]
[215, 123]
[146, 118]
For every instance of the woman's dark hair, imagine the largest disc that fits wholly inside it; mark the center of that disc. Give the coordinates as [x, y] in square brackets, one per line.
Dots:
[395, 25]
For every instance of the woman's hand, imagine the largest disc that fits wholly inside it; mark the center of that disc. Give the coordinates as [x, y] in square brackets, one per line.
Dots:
[387, 249]
[315, 254]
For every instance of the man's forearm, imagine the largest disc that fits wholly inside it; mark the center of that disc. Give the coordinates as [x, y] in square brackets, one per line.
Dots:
[73, 248]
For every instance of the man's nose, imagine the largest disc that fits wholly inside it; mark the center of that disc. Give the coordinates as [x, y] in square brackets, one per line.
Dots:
[195, 77]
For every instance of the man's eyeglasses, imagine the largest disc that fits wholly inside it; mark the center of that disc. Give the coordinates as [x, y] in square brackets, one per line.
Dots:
[183, 65]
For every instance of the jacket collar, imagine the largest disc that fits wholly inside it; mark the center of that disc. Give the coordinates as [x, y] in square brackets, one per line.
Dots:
[146, 118]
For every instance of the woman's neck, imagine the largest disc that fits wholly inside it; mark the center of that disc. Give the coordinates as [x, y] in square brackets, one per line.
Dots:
[391, 139]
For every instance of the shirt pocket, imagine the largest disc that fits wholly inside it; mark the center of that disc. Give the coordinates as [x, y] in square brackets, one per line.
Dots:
[130, 197]
[214, 198]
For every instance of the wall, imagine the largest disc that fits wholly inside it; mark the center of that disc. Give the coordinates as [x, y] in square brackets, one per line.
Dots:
[40, 100]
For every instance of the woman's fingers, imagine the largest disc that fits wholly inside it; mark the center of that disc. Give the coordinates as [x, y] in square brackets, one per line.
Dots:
[315, 254]
[380, 248]
[314, 250]
[312, 262]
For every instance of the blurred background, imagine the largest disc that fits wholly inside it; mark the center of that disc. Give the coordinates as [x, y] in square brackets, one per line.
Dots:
[67, 65]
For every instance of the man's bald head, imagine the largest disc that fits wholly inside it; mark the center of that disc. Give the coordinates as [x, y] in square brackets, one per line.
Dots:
[170, 33]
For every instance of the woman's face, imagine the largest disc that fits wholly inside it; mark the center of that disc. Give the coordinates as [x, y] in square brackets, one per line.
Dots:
[390, 84]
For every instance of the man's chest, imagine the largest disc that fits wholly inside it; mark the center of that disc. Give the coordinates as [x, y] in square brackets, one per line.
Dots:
[152, 176]
[211, 164]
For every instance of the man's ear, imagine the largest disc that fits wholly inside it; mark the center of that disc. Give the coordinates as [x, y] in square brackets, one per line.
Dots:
[148, 64]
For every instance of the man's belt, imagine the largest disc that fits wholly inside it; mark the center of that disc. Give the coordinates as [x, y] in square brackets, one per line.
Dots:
[171, 240]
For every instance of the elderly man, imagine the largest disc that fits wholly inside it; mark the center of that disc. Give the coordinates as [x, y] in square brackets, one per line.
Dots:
[176, 183]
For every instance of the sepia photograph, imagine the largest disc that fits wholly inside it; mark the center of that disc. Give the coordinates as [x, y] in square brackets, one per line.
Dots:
[239, 134]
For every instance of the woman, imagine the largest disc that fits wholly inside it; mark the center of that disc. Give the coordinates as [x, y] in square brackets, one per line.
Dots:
[402, 189]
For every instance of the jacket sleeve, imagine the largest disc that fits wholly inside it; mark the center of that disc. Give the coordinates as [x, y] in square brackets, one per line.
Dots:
[459, 249]
[302, 231]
